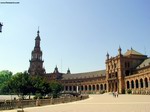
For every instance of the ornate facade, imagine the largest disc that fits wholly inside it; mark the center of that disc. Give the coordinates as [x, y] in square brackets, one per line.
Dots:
[124, 72]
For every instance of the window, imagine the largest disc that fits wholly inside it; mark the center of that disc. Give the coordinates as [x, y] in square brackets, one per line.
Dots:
[109, 75]
[127, 72]
[116, 74]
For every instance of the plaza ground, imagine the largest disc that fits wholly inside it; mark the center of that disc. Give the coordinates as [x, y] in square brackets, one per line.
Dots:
[99, 103]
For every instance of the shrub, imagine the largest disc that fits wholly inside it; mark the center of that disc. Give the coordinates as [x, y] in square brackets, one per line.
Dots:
[129, 91]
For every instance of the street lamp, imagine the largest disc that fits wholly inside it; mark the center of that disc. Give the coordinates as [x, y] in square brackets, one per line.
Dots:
[1, 27]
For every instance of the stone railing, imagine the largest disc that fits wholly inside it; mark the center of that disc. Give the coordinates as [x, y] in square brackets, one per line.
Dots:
[138, 91]
[14, 104]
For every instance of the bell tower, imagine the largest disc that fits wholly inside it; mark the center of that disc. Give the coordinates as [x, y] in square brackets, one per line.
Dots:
[36, 62]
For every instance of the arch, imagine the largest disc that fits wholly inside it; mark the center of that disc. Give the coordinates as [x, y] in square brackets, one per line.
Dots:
[66, 88]
[110, 87]
[90, 88]
[94, 87]
[85, 87]
[82, 88]
[141, 83]
[128, 85]
[146, 82]
[101, 86]
[105, 86]
[97, 87]
[137, 83]
[113, 85]
[132, 84]
[116, 86]
[70, 88]
[74, 88]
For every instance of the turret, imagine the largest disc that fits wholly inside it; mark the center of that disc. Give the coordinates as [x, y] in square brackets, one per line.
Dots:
[68, 71]
[56, 70]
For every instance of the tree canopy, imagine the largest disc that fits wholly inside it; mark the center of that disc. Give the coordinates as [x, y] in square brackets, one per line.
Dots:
[25, 84]
[5, 76]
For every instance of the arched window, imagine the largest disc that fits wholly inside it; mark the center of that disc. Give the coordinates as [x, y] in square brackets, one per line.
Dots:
[74, 88]
[81, 88]
[141, 83]
[70, 88]
[93, 87]
[97, 87]
[105, 87]
[89, 87]
[132, 84]
[101, 86]
[137, 83]
[66, 88]
[85, 87]
[146, 82]
[128, 85]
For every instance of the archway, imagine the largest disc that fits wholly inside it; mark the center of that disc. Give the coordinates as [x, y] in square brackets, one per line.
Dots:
[132, 84]
[93, 87]
[85, 87]
[105, 86]
[82, 88]
[146, 82]
[74, 88]
[70, 88]
[128, 85]
[89, 87]
[66, 88]
[141, 83]
[101, 86]
[137, 83]
[97, 87]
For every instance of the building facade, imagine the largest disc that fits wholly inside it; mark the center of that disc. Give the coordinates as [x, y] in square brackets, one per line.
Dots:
[125, 72]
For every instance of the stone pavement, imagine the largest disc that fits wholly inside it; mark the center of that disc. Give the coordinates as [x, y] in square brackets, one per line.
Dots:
[99, 103]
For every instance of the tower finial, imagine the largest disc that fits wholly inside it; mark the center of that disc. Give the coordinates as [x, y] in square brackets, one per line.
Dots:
[119, 50]
[56, 69]
[68, 71]
[38, 31]
[107, 55]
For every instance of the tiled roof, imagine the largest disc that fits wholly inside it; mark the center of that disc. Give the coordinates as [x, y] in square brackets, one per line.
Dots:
[132, 52]
[84, 75]
[144, 63]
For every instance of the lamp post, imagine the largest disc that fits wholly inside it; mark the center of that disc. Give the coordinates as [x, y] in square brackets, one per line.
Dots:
[1, 27]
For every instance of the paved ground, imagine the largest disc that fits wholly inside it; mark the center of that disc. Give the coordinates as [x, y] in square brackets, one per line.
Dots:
[100, 103]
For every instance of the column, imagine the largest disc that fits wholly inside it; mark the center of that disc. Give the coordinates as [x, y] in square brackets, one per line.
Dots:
[144, 86]
[148, 84]
[77, 88]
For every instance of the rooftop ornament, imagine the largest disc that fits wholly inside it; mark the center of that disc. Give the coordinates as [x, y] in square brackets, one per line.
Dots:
[1, 27]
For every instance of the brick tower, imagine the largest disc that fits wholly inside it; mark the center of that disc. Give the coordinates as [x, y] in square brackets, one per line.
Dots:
[36, 62]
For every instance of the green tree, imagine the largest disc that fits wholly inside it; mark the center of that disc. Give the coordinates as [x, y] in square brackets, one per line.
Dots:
[56, 88]
[40, 86]
[20, 84]
[5, 76]
[5, 89]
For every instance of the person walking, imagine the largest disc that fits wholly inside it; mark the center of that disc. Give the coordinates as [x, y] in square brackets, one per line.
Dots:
[116, 94]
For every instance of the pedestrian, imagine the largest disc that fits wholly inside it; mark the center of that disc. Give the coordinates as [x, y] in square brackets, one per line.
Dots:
[116, 94]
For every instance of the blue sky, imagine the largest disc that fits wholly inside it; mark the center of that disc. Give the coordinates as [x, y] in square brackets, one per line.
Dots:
[74, 33]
